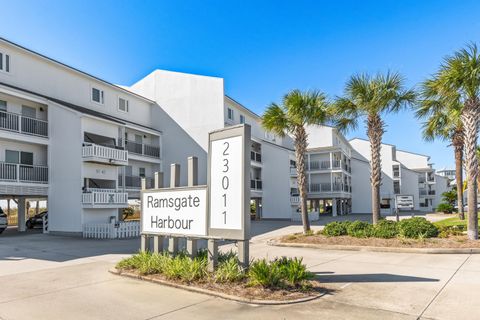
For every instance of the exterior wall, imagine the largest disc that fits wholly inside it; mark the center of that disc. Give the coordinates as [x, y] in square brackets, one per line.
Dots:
[193, 102]
[39, 151]
[65, 176]
[361, 188]
[412, 160]
[38, 74]
[409, 185]
[276, 182]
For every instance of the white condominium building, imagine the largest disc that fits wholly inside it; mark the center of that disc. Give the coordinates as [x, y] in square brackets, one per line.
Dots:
[403, 172]
[84, 144]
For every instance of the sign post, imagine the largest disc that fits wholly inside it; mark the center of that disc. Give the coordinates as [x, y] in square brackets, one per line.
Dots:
[229, 188]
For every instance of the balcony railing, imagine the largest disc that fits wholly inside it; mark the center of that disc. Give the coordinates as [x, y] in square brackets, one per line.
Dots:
[319, 165]
[431, 192]
[293, 171]
[255, 156]
[336, 164]
[135, 182]
[23, 173]
[421, 179]
[294, 199]
[22, 124]
[423, 192]
[430, 178]
[142, 149]
[104, 154]
[327, 187]
[256, 184]
[104, 197]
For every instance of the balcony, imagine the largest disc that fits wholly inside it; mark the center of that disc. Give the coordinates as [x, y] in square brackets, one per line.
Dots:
[422, 192]
[295, 199]
[336, 164]
[104, 198]
[255, 156]
[142, 149]
[319, 165]
[293, 171]
[23, 173]
[431, 192]
[256, 184]
[106, 155]
[135, 182]
[327, 187]
[17, 123]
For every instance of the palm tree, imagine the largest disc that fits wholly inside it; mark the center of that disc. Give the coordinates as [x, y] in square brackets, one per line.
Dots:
[459, 76]
[297, 110]
[443, 121]
[366, 97]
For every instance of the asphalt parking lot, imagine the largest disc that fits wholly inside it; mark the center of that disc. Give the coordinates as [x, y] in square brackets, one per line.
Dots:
[48, 277]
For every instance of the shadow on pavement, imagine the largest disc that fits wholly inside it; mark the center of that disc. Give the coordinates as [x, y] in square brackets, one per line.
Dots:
[369, 277]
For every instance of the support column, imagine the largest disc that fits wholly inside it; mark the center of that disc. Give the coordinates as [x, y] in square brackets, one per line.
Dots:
[334, 207]
[173, 244]
[22, 212]
[192, 172]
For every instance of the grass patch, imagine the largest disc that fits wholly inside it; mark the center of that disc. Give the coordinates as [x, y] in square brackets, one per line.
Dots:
[453, 221]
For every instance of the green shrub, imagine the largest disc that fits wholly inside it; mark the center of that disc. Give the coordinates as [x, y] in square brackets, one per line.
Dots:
[184, 268]
[336, 228]
[293, 271]
[229, 271]
[446, 231]
[417, 228]
[360, 229]
[385, 229]
[265, 274]
[445, 208]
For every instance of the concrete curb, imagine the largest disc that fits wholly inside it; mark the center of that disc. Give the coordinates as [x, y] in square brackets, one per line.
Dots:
[214, 293]
[376, 249]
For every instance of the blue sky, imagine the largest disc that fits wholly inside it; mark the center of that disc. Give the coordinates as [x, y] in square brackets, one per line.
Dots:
[261, 48]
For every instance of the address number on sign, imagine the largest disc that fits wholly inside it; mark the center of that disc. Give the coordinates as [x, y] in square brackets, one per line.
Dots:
[226, 184]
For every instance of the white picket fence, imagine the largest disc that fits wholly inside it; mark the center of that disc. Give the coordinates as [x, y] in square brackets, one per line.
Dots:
[120, 230]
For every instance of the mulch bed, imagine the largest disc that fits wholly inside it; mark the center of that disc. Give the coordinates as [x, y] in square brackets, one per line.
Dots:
[241, 289]
[450, 242]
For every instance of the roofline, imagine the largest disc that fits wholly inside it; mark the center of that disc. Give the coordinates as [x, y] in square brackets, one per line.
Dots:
[396, 149]
[78, 108]
[73, 69]
[242, 106]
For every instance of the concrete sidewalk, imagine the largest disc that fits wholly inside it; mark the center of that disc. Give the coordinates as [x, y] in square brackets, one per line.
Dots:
[45, 277]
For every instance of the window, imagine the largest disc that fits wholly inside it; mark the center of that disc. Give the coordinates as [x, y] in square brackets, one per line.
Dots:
[29, 112]
[385, 204]
[141, 172]
[3, 105]
[242, 118]
[122, 104]
[97, 95]
[4, 62]
[396, 187]
[230, 114]
[19, 157]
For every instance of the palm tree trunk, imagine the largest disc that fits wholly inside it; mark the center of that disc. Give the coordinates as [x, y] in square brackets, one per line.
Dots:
[300, 150]
[457, 141]
[375, 131]
[470, 115]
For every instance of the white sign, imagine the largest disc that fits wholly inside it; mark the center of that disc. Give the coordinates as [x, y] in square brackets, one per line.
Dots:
[226, 210]
[175, 211]
[404, 202]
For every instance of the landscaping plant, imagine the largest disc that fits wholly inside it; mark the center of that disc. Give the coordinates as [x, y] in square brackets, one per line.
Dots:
[417, 227]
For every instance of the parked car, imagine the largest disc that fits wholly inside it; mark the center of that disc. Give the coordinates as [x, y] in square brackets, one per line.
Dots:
[3, 221]
[36, 220]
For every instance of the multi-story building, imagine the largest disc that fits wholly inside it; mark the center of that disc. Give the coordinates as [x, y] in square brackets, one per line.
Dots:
[403, 172]
[84, 144]
[74, 139]
[198, 105]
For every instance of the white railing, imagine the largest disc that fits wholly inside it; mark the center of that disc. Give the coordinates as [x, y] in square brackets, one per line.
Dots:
[295, 199]
[121, 230]
[135, 182]
[256, 156]
[327, 187]
[18, 123]
[293, 171]
[23, 173]
[142, 149]
[105, 198]
[101, 152]
[256, 184]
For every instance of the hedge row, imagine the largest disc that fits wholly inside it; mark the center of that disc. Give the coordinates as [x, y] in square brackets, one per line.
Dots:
[409, 228]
